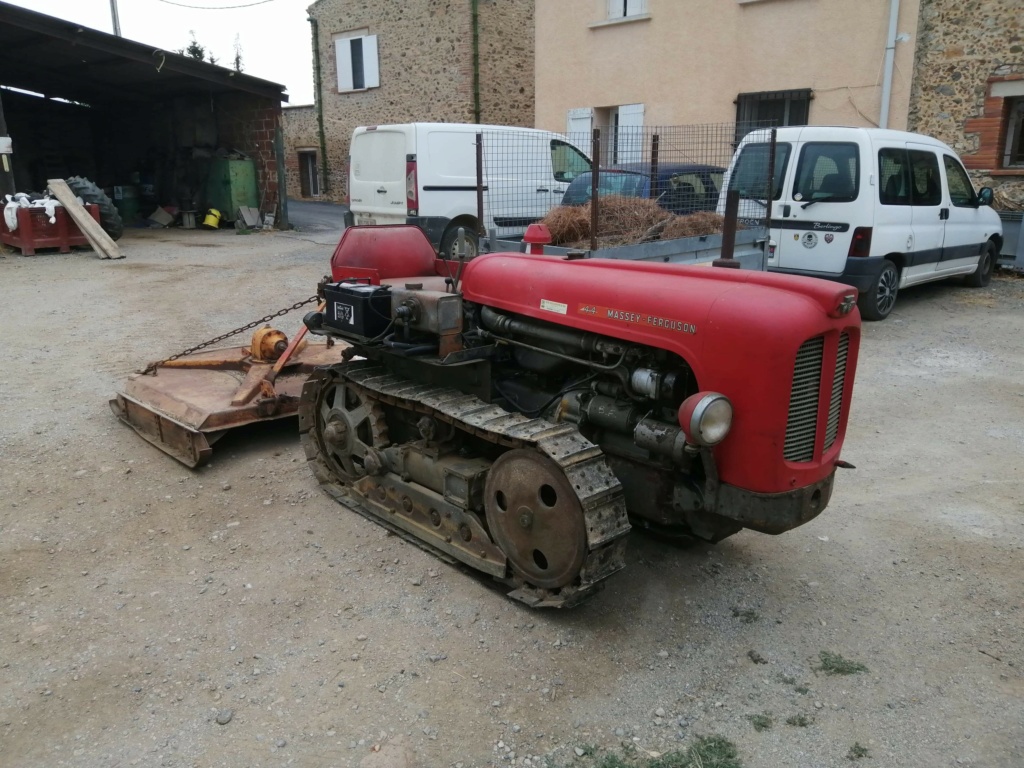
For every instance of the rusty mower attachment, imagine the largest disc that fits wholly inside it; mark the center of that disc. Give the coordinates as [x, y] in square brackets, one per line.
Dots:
[184, 404]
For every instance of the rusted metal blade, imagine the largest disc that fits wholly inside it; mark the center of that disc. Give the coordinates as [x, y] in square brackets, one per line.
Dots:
[183, 410]
[188, 446]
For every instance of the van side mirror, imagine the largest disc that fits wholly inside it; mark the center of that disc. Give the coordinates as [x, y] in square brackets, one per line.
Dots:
[985, 196]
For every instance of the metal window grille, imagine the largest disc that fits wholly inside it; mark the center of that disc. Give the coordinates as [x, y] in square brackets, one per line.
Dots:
[772, 108]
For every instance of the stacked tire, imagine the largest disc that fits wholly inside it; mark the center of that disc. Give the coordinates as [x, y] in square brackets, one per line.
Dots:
[110, 218]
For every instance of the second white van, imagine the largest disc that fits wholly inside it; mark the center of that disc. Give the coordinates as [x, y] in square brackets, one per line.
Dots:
[426, 174]
[876, 209]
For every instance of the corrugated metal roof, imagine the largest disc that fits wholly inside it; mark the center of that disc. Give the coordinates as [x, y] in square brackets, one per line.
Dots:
[67, 60]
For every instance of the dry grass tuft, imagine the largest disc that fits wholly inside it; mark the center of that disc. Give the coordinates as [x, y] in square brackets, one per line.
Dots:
[626, 221]
[568, 224]
[694, 225]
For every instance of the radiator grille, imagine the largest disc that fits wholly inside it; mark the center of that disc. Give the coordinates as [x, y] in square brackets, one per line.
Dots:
[802, 425]
[835, 406]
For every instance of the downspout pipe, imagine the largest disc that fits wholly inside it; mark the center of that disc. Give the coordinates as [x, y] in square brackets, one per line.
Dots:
[890, 57]
[325, 181]
[475, 8]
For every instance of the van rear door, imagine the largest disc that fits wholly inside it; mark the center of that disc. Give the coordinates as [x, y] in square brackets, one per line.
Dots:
[377, 191]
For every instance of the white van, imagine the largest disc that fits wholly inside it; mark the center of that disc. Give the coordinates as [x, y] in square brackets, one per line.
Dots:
[876, 209]
[426, 174]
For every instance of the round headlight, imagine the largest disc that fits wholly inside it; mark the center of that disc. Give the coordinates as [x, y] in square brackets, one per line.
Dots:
[705, 418]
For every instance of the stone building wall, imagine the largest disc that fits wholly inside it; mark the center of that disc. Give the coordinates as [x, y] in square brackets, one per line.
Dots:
[425, 50]
[964, 48]
[300, 133]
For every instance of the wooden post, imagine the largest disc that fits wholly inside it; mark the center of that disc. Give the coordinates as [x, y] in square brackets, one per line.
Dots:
[595, 170]
[6, 156]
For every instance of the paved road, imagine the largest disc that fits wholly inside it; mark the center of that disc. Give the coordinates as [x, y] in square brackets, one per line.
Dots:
[307, 216]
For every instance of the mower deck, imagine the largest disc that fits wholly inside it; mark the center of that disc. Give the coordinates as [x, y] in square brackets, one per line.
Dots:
[186, 405]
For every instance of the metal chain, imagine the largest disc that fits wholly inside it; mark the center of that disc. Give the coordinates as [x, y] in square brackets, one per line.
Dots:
[249, 326]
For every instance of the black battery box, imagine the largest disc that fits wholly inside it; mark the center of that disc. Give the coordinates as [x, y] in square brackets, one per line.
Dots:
[358, 309]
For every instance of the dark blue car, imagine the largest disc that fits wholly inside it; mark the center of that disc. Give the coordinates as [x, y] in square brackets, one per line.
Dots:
[680, 188]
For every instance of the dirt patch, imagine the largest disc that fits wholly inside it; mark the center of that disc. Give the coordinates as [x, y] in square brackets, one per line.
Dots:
[139, 600]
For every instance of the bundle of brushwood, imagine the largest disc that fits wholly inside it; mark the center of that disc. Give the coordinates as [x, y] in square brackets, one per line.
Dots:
[626, 221]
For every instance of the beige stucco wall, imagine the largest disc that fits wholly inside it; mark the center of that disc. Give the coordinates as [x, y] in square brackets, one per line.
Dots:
[688, 62]
[426, 67]
[962, 46]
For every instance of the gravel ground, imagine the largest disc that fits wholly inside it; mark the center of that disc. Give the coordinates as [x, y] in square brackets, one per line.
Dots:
[151, 615]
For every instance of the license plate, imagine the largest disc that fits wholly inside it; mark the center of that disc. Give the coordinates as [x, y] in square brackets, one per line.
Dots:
[365, 221]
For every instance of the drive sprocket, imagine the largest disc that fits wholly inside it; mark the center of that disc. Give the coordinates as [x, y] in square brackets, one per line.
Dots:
[348, 428]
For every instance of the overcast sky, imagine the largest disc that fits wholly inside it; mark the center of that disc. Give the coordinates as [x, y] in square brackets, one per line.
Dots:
[275, 35]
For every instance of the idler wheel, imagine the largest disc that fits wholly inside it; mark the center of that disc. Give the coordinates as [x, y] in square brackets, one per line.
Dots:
[349, 428]
[534, 515]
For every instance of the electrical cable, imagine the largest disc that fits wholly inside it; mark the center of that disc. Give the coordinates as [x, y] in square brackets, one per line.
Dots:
[581, 384]
[213, 8]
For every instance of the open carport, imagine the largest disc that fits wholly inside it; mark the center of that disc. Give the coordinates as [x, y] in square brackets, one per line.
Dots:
[160, 127]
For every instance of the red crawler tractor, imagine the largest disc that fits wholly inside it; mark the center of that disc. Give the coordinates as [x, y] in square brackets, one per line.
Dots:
[519, 413]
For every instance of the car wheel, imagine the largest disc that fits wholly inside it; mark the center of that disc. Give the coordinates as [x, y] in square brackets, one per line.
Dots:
[450, 243]
[878, 301]
[981, 277]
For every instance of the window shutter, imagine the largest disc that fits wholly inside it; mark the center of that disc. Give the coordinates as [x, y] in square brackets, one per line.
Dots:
[615, 9]
[371, 66]
[343, 56]
[635, 7]
[630, 133]
[579, 123]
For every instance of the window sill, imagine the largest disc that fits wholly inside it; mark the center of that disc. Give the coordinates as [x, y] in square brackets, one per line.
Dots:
[617, 22]
[1007, 172]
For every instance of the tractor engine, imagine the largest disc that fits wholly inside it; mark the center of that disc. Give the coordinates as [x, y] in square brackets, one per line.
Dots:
[520, 413]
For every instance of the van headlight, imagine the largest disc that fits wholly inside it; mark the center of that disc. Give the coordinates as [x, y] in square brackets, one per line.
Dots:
[705, 418]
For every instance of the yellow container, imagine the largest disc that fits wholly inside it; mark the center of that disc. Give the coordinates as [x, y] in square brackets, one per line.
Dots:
[212, 220]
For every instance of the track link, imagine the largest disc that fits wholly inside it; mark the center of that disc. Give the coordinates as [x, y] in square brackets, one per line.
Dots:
[583, 463]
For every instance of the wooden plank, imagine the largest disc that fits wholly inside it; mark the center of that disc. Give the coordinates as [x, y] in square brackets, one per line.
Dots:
[100, 240]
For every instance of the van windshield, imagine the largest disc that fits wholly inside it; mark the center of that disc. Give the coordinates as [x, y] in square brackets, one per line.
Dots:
[567, 162]
[750, 173]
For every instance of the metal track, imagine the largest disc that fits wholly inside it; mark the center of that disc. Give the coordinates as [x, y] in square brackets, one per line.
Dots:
[597, 489]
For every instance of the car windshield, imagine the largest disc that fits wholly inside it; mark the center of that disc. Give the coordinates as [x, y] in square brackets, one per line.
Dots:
[610, 182]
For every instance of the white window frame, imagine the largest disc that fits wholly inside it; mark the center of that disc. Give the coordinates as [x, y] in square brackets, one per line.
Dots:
[343, 55]
[626, 9]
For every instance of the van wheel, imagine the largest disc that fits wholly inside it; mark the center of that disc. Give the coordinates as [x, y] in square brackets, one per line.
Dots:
[450, 242]
[877, 303]
[982, 276]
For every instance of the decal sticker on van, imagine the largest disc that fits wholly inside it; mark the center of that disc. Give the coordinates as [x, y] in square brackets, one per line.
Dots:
[829, 237]
[817, 226]
[809, 240]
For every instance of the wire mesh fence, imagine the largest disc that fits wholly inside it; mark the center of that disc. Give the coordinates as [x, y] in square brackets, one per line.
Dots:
[614, 185]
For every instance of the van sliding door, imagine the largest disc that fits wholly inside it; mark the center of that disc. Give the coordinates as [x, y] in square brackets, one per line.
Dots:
[928, 217]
